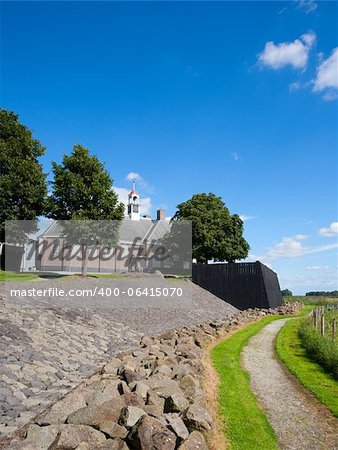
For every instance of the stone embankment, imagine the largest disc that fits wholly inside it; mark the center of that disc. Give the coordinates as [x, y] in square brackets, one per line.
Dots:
[148, 398]
[47, 348]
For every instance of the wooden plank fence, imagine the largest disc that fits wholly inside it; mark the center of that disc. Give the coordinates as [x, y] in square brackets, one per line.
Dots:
[244, 285]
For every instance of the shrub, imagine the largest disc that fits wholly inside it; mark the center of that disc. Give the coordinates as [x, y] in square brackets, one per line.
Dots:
[323, 349]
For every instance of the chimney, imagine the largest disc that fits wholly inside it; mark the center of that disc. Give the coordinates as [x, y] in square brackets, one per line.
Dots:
[160, 214]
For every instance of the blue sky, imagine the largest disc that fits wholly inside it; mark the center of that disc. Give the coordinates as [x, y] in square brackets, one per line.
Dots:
[234, 98]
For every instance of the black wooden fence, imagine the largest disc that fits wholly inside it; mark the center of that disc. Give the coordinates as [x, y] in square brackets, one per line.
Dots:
[11, 257]
[243, 285]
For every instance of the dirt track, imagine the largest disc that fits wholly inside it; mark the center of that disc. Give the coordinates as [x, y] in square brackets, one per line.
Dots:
[299, 421]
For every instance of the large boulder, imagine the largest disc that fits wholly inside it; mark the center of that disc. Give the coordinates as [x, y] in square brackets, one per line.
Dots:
[60, 437]
[150, 434]
[195, 441]
[61, 409]
[176, 402]
[198, 418]
[163, 387]
[130, 415]
[176, 424]
[96, 414]
[113, 429]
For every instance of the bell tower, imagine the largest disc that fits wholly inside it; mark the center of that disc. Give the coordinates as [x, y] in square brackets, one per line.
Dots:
[134, 204]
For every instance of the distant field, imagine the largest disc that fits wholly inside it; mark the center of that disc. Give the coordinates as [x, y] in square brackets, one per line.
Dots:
[311, 300]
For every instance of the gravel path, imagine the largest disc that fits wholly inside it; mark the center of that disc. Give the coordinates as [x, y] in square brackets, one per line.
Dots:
[48, 345]
[300, 422]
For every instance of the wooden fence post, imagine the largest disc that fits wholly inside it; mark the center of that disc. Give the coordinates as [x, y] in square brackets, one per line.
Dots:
[322, 325]
[317, 319]
[334, 329]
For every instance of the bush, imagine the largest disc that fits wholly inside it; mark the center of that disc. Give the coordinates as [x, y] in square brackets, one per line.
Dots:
[286, 293]
[323, 349]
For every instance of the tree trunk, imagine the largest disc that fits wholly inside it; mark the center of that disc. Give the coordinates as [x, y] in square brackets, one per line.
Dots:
[84, 260]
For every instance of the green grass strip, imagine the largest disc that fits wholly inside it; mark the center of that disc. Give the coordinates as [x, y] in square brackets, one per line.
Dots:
[16, 276]
[244, 423]
[309, 373]
[12, 276]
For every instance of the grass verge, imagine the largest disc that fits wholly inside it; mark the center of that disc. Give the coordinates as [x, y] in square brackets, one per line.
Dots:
[310, 374]
[13, 276]
[17, 276]
[322, 349]
[242, 419]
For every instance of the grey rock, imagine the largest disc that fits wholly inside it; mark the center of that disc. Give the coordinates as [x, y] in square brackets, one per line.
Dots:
[163, 387]
[129, 375]
[112, 367]
[176, 402]
[96, 414]
[130, 415]
[198, 418]
[72, 436]
[62, 409]
[176, 424]
[113, 444]
[150, 433]
[142, 389]
[113, 429]
[195, 441]
[43, 437]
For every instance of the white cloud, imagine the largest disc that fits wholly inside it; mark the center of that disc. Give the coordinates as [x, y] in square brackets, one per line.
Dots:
[330, 96]
[140, 181]
[327, 74]
[307, 6]
[296, 53]
[332, 230]
[145, 202]
[318, 268]
[252, 257]
[134, 176]
[246, 218]
[235, 156]
[290, 247]
[295, 86]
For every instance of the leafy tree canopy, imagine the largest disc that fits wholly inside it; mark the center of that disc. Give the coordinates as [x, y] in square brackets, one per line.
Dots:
[84, 201]
[216, 234]
[23, 186]
[322, 294]
[286, 293]
[82, 189]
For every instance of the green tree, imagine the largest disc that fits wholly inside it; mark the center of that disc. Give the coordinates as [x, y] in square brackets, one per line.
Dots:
[177, 243]
[84, 201]
[23, 187]
[216, 234]
[286, 293]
